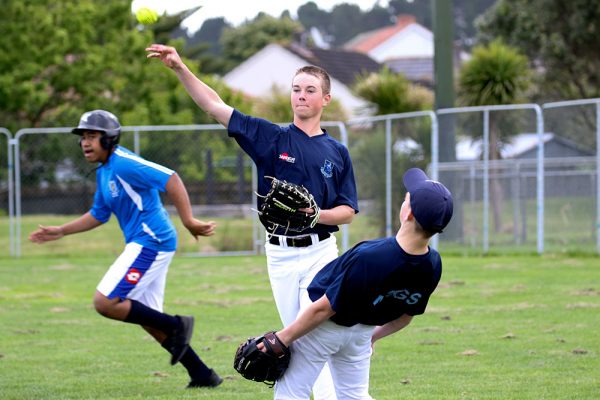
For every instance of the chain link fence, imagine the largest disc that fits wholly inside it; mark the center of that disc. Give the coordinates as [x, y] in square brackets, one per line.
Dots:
[382, 148]
[534, 190]
[490, 205]
[573, 189]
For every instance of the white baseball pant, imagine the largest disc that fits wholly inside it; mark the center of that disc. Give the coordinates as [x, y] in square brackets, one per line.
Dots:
[291, 269]
[346, 349]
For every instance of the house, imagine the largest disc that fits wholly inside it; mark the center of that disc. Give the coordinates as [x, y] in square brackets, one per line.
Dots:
[274, 65]
[523, 146]
[406, 47]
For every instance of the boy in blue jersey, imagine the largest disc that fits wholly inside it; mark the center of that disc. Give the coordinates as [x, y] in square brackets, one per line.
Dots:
[371, 291]
[301, 153]
[133, 288]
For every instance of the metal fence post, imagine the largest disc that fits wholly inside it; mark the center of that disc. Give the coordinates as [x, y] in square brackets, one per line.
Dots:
[596, 102]
[486, 180]
[344, 139]
[10, 171]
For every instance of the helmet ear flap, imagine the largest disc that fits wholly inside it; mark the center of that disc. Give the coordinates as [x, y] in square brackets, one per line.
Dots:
[105, 142]
[108, 142]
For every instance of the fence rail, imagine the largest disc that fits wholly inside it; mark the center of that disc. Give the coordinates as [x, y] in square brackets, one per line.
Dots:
[499, 201]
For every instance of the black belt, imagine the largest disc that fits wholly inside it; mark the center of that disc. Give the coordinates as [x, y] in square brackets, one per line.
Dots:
[303, 241]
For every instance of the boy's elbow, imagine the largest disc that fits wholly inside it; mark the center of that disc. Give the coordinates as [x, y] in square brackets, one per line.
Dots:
[350, 216]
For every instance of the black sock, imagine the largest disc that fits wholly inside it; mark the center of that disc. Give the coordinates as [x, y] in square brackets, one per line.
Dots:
[196, 369]
[146, 316]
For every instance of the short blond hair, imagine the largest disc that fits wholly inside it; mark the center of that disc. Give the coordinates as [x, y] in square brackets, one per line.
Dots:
[319, 73]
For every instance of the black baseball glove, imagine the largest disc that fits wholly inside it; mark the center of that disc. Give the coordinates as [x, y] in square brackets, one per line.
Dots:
[262, 366]
[280, 207]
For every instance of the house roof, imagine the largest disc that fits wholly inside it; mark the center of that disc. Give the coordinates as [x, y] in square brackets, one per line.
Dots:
[343, 65]
[469, 149]
[518, 146]
[416, 69]
[367, 41]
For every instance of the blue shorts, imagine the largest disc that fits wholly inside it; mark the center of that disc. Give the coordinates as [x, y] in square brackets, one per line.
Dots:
[139, 273]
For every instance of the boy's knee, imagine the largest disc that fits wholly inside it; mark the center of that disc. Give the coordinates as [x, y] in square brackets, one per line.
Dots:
[102, 304]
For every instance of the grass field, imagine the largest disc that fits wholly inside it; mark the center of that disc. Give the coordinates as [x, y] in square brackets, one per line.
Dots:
[523, 327]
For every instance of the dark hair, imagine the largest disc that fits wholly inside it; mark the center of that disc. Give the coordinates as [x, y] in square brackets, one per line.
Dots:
[426, 234]
[319, 73]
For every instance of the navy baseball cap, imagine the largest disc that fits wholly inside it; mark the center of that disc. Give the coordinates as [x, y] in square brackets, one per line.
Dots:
[430, 201]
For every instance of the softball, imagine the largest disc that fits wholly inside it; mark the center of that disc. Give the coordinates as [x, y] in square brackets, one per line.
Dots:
[146, 16]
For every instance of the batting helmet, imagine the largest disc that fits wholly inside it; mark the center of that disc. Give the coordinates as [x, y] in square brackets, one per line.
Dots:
[100, 121]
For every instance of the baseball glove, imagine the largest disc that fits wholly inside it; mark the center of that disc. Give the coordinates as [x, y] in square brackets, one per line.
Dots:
[280, 207]
[262, 366]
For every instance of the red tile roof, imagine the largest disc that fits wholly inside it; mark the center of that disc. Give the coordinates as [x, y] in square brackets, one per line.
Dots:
[370, 40]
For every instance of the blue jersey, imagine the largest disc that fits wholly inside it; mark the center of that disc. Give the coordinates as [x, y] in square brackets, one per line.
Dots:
[376, 282]
[128, 186]
[320, 163]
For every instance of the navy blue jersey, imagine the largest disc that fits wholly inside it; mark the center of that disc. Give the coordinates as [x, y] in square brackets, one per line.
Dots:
[376, 282]
[128, 186]
[319, 163]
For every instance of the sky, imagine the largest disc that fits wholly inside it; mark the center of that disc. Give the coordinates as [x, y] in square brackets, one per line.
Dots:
[237, 11]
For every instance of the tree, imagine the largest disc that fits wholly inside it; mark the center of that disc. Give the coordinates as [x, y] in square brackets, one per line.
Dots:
[62, 58]
[560, 37]
[209, 34]
[242, 42]
[390, 93]
[310, 15]
[464, 12]
[345, 21]
[496, 74]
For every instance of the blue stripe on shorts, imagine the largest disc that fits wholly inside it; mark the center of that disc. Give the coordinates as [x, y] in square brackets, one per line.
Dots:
[134, 273]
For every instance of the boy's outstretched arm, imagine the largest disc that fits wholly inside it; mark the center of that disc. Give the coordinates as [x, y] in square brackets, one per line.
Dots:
[48, 233]
[202, 94]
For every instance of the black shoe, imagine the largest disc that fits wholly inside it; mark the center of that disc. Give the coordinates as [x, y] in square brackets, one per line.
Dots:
[179, 342]
[213, 380]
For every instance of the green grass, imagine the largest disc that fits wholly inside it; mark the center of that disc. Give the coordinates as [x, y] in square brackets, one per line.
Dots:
[522, 327]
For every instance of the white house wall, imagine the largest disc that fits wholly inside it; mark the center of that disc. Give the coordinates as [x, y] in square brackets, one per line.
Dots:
[412, 41]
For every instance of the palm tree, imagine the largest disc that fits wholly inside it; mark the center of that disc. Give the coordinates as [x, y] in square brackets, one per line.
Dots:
[387, 93]
[496, 74]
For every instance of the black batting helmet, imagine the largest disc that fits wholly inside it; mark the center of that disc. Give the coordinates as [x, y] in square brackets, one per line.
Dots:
[101, 121]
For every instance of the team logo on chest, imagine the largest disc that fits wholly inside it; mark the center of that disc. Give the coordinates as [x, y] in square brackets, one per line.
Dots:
[285, 157]
[114, 189]
[327, 169]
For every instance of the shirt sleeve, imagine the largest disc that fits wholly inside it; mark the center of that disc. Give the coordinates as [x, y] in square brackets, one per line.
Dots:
[141, 173]
[254, 135]
[347, 194]
[100, 210]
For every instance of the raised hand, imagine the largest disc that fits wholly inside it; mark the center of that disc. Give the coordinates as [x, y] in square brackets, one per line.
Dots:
[167, 54]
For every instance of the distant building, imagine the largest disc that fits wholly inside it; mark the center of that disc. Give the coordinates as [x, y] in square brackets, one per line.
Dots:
[406, 47]
[275, 65]
[523, 146]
